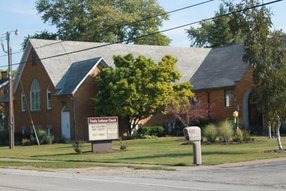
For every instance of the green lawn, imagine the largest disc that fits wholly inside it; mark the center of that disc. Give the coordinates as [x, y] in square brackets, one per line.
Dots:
[162, 151]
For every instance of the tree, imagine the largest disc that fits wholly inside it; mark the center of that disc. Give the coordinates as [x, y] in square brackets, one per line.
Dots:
[138, 88]
[221, 31]
[265, 52]
[105, 20]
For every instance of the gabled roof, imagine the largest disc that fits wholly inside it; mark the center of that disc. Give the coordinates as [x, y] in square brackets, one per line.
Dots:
[221, 68]
[189, 59]
[68, 62]
[76, 74]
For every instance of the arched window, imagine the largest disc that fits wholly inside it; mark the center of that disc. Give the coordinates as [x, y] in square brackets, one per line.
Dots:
[35, 96]
[23, 102]
[49, 99]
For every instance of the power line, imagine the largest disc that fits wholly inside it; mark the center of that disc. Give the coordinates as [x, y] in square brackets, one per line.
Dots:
[165, 13]
[133, 22]
[150, 34]
[38, 47]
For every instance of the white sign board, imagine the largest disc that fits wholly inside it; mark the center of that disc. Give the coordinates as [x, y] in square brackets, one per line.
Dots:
[102, 128]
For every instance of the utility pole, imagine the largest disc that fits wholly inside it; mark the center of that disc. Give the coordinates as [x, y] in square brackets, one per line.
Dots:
[11, 92]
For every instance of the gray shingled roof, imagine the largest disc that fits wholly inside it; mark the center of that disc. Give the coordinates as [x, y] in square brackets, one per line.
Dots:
[205, 67]
[189, 59]
[75, 75]
[221, 68]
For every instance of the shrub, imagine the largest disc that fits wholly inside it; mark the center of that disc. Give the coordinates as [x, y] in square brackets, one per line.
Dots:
[156, 131]
[26, 142]
[150, 131]
[78, 146]
[141, 132]
[210, 133]
[43, 137]
[225, 131]
[50, 139]
[123, 145]
[238, 136]
[246, 136]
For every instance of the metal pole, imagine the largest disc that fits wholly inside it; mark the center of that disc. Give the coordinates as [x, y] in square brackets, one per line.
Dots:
[11, 100]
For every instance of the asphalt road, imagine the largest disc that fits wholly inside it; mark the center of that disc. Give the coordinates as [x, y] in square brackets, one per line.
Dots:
[253, 176]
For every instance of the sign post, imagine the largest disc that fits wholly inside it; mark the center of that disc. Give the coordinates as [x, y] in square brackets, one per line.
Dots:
[101, 132]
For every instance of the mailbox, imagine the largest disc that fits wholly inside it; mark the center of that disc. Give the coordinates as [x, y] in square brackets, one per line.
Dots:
[193, 134]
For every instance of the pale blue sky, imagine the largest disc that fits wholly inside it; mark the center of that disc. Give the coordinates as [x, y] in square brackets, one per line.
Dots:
[22, 15]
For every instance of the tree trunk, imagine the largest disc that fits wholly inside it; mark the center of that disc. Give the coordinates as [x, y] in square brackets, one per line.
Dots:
[269, 130]
[278, 134]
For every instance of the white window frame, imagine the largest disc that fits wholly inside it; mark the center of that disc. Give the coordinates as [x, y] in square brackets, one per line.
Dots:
[23, 102]
[229, 97]
[49, 99]
[35, 100]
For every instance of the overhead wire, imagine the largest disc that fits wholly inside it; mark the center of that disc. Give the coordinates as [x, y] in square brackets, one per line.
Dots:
[161, 31]
[129, 23]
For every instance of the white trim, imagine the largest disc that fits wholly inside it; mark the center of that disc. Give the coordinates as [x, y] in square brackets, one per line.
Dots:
[35, 96]
[97, 63]
[21, 67]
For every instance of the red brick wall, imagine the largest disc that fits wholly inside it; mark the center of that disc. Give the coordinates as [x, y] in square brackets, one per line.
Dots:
[218, 110]
[52, 118]
[83, 100]
[44, 118]
[215, 99]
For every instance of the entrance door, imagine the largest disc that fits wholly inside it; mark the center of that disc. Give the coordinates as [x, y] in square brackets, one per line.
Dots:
[255, 118]
[65, 122]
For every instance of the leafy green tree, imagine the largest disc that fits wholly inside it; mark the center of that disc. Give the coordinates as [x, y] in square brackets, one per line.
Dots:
[138, 88]
[265, 51]
[105, 20]
[221, 31]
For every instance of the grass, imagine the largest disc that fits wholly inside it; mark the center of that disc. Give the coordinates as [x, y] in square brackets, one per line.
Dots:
[162, 152]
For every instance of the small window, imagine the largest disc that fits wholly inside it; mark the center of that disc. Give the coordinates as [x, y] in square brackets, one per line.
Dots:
[49, 99]
[229, 98]
[35, 96]
[23, 102]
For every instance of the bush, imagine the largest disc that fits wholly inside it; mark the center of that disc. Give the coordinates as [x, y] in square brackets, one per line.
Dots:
[123, 145]
[78, 146]
[150, 131]
[26, 142]
[238, 136]
[246, 136]
[225, 131]
[43, 137]
[156, 131]
[210, 133]
[141, 132]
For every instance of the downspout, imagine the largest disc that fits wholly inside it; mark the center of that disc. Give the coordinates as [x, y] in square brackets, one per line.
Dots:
[74, 117]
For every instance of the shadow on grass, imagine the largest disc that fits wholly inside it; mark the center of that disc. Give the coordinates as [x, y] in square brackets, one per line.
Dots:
[55, 155]
[222, 153]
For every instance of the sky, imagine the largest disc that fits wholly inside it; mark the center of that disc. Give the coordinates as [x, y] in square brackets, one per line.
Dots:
[22, 15]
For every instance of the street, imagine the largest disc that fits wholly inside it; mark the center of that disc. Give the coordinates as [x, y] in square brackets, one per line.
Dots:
[267, 175]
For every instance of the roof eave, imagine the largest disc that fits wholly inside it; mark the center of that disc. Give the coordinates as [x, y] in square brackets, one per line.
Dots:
[100, 61]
